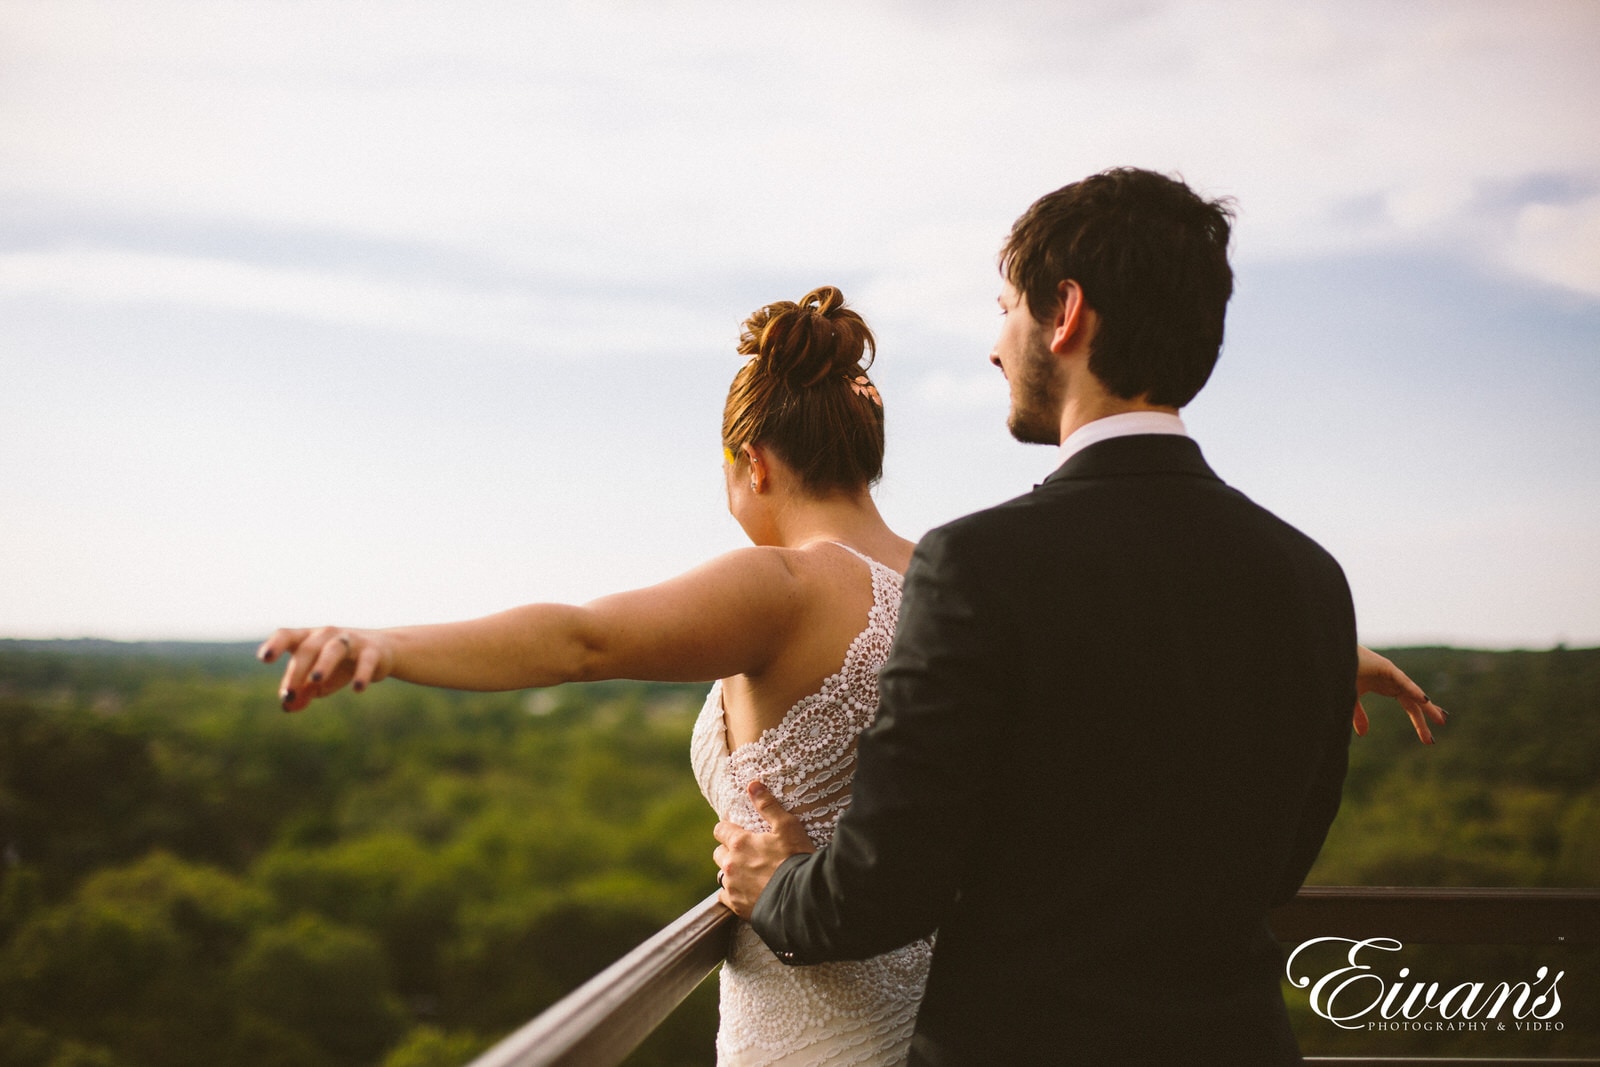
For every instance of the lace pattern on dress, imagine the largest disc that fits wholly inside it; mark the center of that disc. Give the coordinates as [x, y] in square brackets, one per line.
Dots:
[857, 1012]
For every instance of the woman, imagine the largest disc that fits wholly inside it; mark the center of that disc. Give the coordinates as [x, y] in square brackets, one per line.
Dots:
[795, 629]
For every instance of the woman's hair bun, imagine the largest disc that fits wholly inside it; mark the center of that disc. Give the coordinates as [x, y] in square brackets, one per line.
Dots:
[804, 343]
[804, 394]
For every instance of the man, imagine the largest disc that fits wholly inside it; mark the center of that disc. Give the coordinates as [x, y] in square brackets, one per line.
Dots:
[1112, 731]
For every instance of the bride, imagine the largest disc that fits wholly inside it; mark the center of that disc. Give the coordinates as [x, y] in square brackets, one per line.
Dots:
[793, 631]
[795, 627]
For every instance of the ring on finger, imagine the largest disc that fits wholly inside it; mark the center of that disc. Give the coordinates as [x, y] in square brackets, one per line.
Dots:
[720, 875]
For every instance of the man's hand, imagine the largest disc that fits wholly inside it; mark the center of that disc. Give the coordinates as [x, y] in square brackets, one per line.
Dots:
[1375, 674]
[749, 860]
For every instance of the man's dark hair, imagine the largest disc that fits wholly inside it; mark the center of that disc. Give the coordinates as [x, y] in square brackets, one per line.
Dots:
[1152, 259]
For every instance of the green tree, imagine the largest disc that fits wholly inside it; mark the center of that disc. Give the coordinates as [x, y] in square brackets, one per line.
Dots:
[390, 885]
[25, 1046]
[428, 1046]
[327, 983]
[77, 792]
[134, 962]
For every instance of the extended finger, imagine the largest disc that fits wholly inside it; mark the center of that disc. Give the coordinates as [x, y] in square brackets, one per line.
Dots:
[281, 641]
[1406, 689]
[287, 694]
[328, 660]
[296, 673]
[1419, 721]
[366, 667]
[298, 700]
[1413, 711]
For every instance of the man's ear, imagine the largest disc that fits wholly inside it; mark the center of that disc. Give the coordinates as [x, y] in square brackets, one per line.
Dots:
[1071, 317]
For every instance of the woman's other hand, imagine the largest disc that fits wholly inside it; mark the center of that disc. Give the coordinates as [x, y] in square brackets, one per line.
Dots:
[325, 660]
[1375, 674]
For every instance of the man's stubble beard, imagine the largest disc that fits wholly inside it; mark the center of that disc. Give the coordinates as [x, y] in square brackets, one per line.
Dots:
[1035, 416]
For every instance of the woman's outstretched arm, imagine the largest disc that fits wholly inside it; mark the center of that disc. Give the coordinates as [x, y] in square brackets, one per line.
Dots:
[726, 617]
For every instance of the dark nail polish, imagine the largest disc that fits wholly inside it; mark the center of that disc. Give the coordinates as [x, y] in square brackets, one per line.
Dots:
[316, 676]
[360, 687]
[288, 696]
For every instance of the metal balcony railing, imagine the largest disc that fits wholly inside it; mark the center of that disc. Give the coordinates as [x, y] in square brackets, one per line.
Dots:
[604, 1019]
[600, 1022]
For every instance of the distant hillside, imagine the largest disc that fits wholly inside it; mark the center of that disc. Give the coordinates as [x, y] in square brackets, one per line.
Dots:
[38, 666]
[198, 651]
[398, 878]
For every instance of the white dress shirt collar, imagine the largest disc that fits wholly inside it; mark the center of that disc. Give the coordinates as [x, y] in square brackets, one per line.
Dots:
[1125, 425]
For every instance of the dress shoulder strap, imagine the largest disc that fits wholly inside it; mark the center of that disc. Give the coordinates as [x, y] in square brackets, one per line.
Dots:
[863, 557]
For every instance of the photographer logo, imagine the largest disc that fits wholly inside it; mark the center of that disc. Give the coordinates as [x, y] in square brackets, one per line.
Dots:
[1355, 997]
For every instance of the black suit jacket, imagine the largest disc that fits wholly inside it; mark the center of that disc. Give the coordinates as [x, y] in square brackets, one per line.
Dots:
[1112, 736]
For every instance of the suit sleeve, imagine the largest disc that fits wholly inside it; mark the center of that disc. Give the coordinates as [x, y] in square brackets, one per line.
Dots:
[1337, 655]
[923, 770]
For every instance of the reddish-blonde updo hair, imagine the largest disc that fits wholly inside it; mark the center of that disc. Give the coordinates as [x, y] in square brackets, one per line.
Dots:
[804, 393]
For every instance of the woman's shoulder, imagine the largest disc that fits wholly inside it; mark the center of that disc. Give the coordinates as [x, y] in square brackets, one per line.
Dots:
[790, 572]
[808, 574]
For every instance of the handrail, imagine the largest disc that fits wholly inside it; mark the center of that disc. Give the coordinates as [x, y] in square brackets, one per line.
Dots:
[600, 1022]
[604, 1019]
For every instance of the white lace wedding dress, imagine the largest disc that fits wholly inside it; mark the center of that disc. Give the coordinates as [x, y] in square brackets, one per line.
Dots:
[850, 1013]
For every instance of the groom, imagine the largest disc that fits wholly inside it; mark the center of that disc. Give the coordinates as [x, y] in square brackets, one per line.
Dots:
[1113, 727]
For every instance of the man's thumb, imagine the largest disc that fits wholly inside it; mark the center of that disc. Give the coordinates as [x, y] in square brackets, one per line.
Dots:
[767, 805]
[784, 824]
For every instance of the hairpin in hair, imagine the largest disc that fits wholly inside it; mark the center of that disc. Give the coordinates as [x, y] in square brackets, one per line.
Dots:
[865, 388]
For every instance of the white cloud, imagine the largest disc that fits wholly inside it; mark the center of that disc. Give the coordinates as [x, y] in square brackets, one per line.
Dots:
[619, 140]
[1559, 244]
[539, 322]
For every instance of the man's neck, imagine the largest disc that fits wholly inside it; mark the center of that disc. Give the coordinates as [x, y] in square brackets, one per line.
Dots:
[1081, 411]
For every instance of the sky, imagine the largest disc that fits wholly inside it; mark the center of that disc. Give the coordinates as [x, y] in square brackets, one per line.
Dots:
[382, 313]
